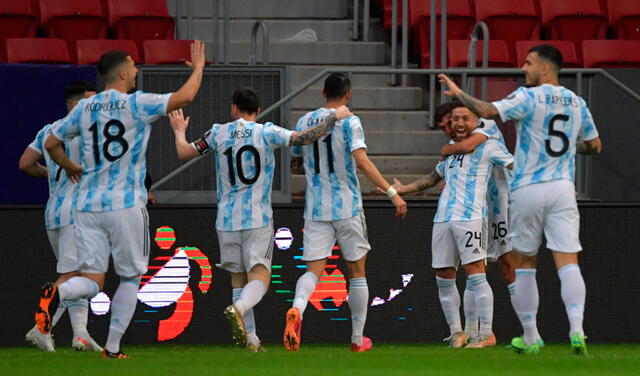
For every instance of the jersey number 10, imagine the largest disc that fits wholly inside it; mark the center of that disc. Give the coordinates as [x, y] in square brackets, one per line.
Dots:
[232, 171]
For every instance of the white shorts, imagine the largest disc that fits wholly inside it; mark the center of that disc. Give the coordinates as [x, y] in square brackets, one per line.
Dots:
[63, 242]
[457, 241]
[320, 237]
[498, 242]
[241, 250]
[548, 208]
[123, 234]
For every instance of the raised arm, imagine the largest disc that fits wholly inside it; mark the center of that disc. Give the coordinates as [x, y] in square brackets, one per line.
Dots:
[29, 164]
[465, 146]
[179, 125]
[480, 108]
[421, 184]
[187, 93]
[589, 147]
[56, 151]
[370, 170]
[313, 133]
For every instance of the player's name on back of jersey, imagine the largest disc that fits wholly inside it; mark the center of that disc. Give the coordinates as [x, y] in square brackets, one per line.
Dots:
[116, 105]
[557, 99]
[241, 133]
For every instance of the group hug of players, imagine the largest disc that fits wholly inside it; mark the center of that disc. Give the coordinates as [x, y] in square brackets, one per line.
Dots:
[96, 167]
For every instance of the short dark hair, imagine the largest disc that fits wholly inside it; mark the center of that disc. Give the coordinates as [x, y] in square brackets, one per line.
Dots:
[550, 53]
[109, 61]
[75, 91]
[446, 108]
[246, 99]
[336, 86]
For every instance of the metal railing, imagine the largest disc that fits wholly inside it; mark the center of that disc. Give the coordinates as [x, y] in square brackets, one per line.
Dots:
[254, 43]
[179, 34]
[365, 20]
[470, 84]
[578, 72]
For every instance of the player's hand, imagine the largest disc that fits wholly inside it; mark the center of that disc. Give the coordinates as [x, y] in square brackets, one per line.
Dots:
[401, 206]
[151, 199]
[197, 55]
[453, 88]
[343, 112]
[441, 186]
[399, 187]
[177, 120]
[74, 172]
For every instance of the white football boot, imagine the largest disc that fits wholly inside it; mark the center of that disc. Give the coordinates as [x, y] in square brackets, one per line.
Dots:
[43, 341]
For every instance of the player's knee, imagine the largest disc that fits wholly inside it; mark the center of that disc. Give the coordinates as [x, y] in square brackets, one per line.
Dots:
[475, 267]
[132, 280]
[447, 273]
[356, 269]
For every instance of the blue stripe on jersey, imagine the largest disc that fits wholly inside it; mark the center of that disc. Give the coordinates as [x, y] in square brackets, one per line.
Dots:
[451, 201]
[470, 185]
[247, 218]
[95, 180]
[350, 168]
[130, 182]
[227, 222]
[317, 184]
[266, 192]
[522, 151]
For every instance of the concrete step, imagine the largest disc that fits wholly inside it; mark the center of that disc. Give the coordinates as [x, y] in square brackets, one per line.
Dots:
[404, 142]
[240, 30]
[405, 164]
[368, 98]
[299, 183]
[379, 120]
[300, 74]
[268, 8]
[330, 53]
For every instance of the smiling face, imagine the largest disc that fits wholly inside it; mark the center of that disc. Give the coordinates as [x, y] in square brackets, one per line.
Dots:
[463, 122]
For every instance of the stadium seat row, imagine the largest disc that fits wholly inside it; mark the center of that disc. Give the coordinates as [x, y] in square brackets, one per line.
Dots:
[54, 50]
[512, 21]
[74, 20]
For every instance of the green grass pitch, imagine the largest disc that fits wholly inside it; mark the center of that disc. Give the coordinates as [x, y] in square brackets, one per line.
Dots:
[324, 360]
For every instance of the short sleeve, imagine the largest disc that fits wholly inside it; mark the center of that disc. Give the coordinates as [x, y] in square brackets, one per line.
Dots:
[518, 105]
[150, 107]
[488, 128]
[499, 155]
[38, 142]
[69, 126]
[440, 168]
[588, 129]
[296, 150]
[276, 136]
[357, 134]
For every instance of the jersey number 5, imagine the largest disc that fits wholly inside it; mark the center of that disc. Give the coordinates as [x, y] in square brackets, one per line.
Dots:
[556, 133]
[109, 140]
[232, 172]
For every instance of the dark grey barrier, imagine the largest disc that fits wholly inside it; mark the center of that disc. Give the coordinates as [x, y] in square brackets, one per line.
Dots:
[404, 304]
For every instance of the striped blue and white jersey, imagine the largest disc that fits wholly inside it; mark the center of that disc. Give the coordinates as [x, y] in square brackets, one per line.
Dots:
[245, 163]
[62, 191]
[114, 130]
[499, 185]
[466, 177]
[549, 120]
[333, 190]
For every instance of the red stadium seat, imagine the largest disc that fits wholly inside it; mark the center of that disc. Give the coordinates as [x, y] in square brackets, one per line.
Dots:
[567, 48]
[460, 22]
[498, 54]
[72, 20]
[510, 20]
[90, 51]
[17, 19]
[167, 51]
[624, 18]
[37, 50]
[141, 20]
[386, 16]
[611, 53]
[574, 20]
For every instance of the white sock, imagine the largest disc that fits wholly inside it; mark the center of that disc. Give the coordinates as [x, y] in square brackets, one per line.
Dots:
[78, 311]
[573, 293]
[248, 317]
[450, 302]
[512, 293]
[470, 313]
[251, 295]
[484, 302]
[358, 299]
[56, 316]
[123, 306]
[304, 288]
[78, 288]
[526, 301]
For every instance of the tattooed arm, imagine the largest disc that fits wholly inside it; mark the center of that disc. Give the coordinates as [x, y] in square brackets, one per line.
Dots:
[589, 147]
[480, 108]
[421, 184]
[313, 133]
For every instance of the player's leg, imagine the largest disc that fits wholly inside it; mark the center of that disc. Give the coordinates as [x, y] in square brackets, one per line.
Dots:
[562, 233]
[128, 231]
[444, 260]
[231, 260]
[352, 237]
[526, 215]
[238, 281]
[318, 240]
[470, 311]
